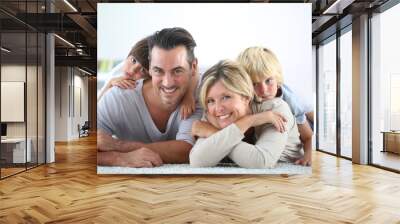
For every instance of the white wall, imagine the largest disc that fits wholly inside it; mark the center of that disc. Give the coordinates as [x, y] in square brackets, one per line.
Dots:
[68, 83]
[33, 127]
[61, 103]
[80, 102]
[220, 30]
[14, 73]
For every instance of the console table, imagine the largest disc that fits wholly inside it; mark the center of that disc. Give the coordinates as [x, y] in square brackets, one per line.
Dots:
[13, 150]
[391, 141]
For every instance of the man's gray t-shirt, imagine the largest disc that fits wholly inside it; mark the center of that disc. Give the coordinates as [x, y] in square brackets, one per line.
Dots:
[124, 114]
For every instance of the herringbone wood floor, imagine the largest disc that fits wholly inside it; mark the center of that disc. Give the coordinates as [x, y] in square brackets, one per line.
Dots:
[70, 191]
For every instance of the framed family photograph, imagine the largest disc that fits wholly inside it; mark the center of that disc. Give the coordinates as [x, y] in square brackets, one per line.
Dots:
[211, 88]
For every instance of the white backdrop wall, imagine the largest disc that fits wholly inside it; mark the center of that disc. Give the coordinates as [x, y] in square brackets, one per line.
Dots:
[220, 30]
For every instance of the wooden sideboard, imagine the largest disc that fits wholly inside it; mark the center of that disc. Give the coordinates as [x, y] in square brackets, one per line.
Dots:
[391, 141]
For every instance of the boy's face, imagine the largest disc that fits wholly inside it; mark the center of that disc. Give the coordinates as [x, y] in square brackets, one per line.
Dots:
[267, 88]
[132, 69]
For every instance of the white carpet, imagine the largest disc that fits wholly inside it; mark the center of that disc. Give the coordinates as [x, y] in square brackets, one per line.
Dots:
[281, 168]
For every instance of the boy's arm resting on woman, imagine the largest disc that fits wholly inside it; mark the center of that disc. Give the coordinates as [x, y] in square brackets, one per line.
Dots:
[204, 129]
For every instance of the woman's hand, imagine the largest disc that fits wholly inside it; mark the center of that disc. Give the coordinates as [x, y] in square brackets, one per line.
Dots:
[274, 118]
[188, 106]
[123, 82]
[203, 129]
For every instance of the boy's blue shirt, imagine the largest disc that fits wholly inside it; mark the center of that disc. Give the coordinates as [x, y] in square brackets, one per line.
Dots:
[297, 108]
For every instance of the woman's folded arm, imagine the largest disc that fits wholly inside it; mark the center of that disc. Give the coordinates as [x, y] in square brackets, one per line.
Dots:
[265, 153]
[210, 151]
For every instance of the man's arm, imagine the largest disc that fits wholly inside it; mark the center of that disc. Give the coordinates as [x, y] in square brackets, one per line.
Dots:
[105, 142]
[173, 151]
[109, 159]
[142, 157]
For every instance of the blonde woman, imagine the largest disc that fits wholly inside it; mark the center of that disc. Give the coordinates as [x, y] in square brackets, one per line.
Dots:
[250, 134]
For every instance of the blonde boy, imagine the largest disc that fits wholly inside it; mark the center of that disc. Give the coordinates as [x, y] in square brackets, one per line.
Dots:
[266, 74]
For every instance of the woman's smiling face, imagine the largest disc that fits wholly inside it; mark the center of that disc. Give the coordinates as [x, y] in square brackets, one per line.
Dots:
[224, 107]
